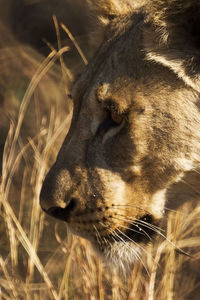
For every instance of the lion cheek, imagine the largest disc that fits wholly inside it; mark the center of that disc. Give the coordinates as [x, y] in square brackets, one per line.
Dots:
[158, 203]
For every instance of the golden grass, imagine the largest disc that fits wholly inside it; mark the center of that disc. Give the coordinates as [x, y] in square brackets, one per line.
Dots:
[39, 259]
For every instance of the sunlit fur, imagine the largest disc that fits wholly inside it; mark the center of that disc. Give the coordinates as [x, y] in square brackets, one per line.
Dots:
[135, 131]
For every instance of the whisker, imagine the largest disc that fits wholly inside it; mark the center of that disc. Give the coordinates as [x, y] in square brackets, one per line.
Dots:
[165, 238]
[130, 206]
[172, 210]
[154, 226]
[98, 236]
[136, 244]
[132, 223]
[106, 226]
[157, 231]
[125, 244]
[136, 254]
[178, 212]
[106, 241]
[102, 239]
[151, 226]
[126, 227]
[192, 188]
[131, 229]
[196, 171]
[114, 236]
[102, 224]
[179, 250]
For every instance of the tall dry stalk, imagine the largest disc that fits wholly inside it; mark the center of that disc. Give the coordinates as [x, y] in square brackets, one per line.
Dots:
[39, 259]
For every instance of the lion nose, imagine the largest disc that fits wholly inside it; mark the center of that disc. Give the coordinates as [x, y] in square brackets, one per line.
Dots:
[62, 213]
[55, 200]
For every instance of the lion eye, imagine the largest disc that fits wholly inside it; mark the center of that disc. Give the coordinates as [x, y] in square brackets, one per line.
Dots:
[116, 118]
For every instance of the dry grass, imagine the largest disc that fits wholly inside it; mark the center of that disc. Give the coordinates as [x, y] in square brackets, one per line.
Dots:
[39, 259]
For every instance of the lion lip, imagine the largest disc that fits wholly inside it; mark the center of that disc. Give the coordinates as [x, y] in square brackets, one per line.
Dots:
[134, 236]
[139, 231]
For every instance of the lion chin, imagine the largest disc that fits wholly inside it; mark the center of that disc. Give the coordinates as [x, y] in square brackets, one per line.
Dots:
[120, 250]
[119, 255]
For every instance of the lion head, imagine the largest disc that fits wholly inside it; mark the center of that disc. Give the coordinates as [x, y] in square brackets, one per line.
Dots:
[135, 129]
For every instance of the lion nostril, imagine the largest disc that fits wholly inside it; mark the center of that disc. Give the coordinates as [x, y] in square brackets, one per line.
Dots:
[57, 212]
[72, 204]
[62, 213]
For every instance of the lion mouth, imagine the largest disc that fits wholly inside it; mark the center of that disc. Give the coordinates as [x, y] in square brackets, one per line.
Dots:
[124, 248]
[142, 230]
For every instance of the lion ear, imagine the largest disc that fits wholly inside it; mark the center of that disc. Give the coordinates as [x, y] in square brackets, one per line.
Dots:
[103, 11]
[172, 37]
[106, 10]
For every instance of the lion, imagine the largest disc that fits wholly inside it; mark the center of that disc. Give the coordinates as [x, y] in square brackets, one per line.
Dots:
[135, 130]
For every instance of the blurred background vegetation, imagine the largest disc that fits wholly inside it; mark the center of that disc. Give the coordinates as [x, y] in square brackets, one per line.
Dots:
[29, 24]
[39, 259]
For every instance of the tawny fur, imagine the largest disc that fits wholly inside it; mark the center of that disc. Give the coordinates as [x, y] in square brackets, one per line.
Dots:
[135, 131]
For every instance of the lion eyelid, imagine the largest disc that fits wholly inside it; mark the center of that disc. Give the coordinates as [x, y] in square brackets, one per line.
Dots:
[111, 106]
